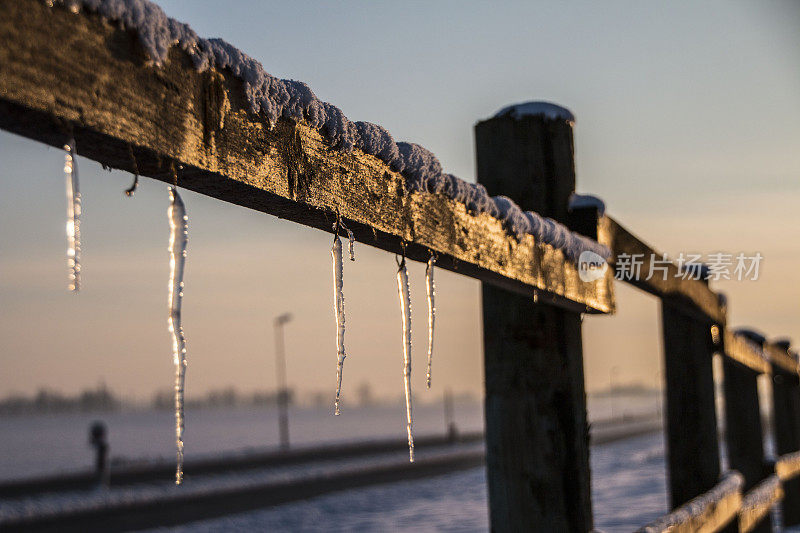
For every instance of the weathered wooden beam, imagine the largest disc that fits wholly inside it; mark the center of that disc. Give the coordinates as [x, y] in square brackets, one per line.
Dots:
[65, 75]
[691, 420]
[754, 514]
[692, 295]
[745, 352]
[781, 358]
[709, 512]
[537, 437]
[788, 466]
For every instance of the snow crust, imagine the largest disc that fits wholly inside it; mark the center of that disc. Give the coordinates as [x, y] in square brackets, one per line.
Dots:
[294, 100]
[730, 483]
[751, 335]
[761, 494]
[534, 109]
[578, 201]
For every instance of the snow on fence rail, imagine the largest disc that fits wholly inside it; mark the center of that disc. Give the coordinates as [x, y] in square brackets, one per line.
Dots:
[708, 512]
[722, 507]
[788, 466]
[291, 164]
[143, 93]
[757, 503]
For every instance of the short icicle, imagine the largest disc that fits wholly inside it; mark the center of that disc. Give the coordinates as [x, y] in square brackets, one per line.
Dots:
[405, 308]
[351, 241]
[338, 309]
[73, 217]
[431, 290]
[178, 235]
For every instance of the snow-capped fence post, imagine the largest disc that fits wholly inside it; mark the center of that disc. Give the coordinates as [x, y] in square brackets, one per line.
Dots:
[786, 422]
[691, 420]
[743, 430]
[536, 431]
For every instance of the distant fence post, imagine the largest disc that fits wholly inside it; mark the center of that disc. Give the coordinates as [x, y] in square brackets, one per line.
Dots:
[743, 429]
[744, 434]
[786, 429]
[536, 431]
[691, 419]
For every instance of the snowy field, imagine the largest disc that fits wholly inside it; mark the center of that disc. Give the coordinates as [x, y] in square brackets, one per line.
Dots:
[628, 491]
[39, 445]
[628, 480]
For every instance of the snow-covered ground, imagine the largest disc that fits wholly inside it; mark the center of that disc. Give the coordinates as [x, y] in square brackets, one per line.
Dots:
[628, 491]
[628, 476]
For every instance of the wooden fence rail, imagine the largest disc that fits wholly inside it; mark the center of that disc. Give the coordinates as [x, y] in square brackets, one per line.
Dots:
[65, 74]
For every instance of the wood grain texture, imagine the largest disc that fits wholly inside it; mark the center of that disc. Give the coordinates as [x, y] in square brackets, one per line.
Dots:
[537, 438]
[63, 74]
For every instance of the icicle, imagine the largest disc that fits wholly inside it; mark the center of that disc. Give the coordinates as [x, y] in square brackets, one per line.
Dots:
[338, 309]
[73, 217]
[431, 312]
[350, 238]
[178, 234]
[405, 308]
[132, 189]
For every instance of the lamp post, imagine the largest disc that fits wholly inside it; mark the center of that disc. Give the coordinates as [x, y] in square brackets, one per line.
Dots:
[280, 370]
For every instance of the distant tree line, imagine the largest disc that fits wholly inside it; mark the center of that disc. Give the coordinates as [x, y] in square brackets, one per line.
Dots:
[101, 398]
[47, 401]
[227, 397]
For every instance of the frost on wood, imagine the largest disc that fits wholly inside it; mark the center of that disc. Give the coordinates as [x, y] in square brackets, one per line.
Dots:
[534, 109]
[404, 293]
[178, 235]
[430, 289]
[762, 494]
[338, 310]
[73, 216]
[788, 466]
[730, 484]
[294, 100]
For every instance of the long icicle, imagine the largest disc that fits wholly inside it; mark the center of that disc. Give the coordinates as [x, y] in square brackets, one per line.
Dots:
[73, 217]
[431, 290]
[178, 235]
[405, 308]
[338, 309]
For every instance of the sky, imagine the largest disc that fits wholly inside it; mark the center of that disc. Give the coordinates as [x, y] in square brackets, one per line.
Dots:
[688, 126]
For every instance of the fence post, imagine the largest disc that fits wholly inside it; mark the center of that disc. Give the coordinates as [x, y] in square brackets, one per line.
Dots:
[786, 429]
[535, 405]
[691, 419]
[743, 428]
[744, 434]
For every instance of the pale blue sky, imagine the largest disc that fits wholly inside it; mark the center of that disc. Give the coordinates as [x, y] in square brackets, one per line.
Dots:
[688, 125]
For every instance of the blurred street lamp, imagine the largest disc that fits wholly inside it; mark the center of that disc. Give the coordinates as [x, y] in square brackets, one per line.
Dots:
[280, 369]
